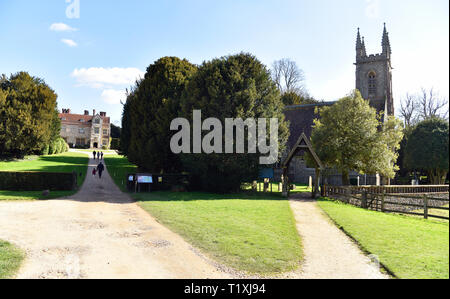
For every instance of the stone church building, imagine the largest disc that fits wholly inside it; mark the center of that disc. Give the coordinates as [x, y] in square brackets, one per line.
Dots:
[373, 80]
[84, 130]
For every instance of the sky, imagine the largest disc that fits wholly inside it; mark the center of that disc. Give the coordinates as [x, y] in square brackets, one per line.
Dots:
[90, 51]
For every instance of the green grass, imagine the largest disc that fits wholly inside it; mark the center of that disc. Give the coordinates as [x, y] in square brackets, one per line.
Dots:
[251, 233]
[67, 162]
[411, 248]
[10, 259]
[118, 169]
[299, 188]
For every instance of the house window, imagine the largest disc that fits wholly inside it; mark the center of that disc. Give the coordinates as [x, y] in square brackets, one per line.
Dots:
[81, 120]
[105, 142]
[97, 131]
[81, 131]
[105, 132]
[372, 83]
[81, 141]
[97, 121]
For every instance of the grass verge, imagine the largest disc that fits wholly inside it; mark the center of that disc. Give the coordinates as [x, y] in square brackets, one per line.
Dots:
[410, 248]
[250, 232]
[67, 162]
[10, 259]
[255, 234]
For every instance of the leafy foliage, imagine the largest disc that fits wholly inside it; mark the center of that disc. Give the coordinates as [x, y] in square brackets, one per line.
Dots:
[427, 149]
[351, 136]
[237, 86]
[28, 115]
[150, 109]
[294, 98]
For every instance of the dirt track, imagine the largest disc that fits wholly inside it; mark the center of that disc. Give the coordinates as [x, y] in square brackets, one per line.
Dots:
[328, 252]
[98, 233]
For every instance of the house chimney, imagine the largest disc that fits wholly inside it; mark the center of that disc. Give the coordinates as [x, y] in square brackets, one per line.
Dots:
[86, 112]
[93, 113]
[103, 114]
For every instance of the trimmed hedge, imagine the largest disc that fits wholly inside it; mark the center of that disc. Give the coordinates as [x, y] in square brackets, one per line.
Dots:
[38, 181]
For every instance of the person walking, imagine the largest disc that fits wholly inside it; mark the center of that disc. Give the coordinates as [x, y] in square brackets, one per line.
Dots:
[95, 154]
[101, 155]
[94, 172]
[100, 169]
[98, 156]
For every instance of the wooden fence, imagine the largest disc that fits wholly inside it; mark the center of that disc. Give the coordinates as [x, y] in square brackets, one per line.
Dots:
[377, 199]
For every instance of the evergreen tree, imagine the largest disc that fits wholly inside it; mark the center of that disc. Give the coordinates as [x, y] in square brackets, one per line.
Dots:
[27, 115]
[149, 111]
[427, 149]
[237, 86]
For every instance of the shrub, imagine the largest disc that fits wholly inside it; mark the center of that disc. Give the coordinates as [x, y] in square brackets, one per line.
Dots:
[115, 143]
[37, 181]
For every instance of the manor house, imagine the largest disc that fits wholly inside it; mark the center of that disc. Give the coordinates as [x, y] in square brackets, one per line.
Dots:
[373, 80]
[84, 130]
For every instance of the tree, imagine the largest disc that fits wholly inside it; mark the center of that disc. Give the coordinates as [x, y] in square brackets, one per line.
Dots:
[28, 117]
[115, 131]
[288, 76]
[293, 98]
[149, 111]
[350, 136]
[237, 86]
[427, 149]
[421, 106]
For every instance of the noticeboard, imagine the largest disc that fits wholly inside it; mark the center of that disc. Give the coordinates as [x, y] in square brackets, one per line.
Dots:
[145, 179]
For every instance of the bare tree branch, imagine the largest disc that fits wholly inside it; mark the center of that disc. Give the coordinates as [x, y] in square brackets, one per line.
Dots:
[288, 76]
[408, 110]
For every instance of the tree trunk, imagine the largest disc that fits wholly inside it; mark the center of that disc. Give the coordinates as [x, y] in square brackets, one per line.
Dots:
[345, 178]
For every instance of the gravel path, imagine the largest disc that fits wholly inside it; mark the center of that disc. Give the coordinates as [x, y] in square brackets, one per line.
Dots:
[98, 233]
[328, 252]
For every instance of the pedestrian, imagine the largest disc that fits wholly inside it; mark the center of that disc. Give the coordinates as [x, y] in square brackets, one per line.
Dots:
[94, 172]
[101, 155]
[100, 169]
[98, 156]
[95, 154]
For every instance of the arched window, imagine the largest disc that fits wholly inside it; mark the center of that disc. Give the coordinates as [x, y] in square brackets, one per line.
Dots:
[372, 83]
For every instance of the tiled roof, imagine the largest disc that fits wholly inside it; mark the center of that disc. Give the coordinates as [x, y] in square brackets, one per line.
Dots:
[75, 118]
[301, 118]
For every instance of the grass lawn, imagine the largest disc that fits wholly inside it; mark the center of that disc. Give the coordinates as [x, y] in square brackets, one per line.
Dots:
[298, 188]
[251, 233]
[67, 162]
[411, 248]
[10, 259]
[119, 168]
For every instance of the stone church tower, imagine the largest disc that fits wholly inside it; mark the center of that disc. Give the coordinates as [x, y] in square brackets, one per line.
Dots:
[374, 74]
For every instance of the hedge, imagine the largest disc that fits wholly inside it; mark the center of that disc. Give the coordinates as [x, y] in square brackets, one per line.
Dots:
[38, 181]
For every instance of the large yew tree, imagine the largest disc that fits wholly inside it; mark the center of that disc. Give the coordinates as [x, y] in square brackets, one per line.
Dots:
[236, 86]
[151, 106]
[28, 115]
[350, 136]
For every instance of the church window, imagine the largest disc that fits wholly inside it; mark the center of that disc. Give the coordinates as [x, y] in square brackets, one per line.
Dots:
[372, 83]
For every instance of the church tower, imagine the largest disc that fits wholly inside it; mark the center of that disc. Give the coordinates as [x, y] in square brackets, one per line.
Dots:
[374, 74]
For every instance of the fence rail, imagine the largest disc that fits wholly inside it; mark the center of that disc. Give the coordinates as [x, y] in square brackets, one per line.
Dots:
[405, 203]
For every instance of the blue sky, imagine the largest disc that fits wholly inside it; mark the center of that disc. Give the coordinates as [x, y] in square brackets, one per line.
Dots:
[90, 60]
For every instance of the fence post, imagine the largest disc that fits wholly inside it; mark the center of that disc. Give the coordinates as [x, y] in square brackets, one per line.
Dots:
[425, 202]
[364, 200]
[383, 208]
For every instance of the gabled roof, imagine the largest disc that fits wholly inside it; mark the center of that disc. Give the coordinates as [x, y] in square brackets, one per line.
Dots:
[76, 118]
[304, 144]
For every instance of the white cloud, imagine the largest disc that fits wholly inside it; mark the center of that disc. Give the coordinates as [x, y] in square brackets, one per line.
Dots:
[98, 77]
[113, 96]
[69, 42]
[61, 27]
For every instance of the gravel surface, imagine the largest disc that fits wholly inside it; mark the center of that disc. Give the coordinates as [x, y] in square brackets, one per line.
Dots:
[99, 233]
[328, 252]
